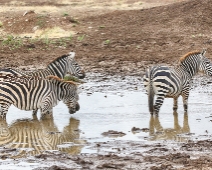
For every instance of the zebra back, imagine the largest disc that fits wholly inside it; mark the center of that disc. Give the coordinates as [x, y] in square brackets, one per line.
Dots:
[12, 71]
[59, 67]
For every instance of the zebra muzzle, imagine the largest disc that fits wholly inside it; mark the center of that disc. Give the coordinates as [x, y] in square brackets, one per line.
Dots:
[75, 109]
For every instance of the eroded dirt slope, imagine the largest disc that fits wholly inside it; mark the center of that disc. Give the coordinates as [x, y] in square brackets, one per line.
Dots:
[127, 39]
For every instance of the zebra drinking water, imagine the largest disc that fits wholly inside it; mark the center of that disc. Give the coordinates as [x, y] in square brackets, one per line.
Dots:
[59, 67]
[30, 93]
[163, 81]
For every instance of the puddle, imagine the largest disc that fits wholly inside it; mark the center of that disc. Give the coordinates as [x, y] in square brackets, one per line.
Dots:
[122, 115]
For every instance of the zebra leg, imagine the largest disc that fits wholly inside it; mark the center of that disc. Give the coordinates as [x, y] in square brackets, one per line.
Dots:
[185, 103]
[3, 110]
[175, 106]
[34, 112]
[158, 103]
[47, 114]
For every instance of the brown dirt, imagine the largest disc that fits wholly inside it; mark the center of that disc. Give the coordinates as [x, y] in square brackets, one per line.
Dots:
[112, 38]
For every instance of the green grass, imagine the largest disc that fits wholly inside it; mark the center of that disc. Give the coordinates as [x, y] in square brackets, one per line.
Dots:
[12, 42]
[80, 38]
[107, 42]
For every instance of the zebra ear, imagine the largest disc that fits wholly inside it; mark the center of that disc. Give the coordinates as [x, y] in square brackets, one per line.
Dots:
[72, 55]
[203, 52]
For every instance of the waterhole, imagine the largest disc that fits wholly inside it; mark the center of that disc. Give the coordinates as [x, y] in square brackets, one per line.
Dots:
[106, 115]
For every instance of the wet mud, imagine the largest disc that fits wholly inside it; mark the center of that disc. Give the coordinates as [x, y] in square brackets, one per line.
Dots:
[116, 132]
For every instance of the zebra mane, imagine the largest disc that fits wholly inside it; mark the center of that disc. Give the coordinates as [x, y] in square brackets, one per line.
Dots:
[188, 54]
[58, 59]
[51, 77]
[71, 54]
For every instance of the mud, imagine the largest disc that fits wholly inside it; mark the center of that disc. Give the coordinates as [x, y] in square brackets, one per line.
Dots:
[114, 41]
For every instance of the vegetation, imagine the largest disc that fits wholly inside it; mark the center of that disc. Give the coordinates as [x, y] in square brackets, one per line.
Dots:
[41, 21]
[71, 78]
[106, 42]
[80, 38]
[14, 42]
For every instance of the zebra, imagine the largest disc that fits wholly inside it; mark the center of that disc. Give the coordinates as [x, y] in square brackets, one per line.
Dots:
[164, 81]
[59, 67]
[30, 93]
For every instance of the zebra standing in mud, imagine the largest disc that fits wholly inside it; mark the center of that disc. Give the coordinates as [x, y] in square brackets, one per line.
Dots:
[30, 93]
[163, 81]
[59, 67]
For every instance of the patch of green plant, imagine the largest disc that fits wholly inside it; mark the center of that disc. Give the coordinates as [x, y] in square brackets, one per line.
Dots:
[70, 37]
[102, 26]
[1, 24]
[62, 42]
[107, 42]
[12, 42]
[46, 40]
[65, 14]
[71, 78]
[41, 21]
[80, 38]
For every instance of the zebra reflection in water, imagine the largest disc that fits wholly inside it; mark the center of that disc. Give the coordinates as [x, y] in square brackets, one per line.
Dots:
[32, 137]
[157, 132]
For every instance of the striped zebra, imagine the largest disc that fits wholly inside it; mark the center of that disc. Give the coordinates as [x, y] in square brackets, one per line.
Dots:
[30, 93]
[164, 81]
[59, 67]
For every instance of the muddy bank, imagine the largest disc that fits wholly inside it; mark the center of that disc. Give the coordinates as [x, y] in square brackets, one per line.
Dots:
[123, 155]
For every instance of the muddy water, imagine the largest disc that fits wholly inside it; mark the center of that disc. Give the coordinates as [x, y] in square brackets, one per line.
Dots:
[104, 116]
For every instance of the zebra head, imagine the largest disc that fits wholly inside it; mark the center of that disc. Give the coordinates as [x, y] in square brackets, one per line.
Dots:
[205, 65]
[67, 91]
[70, 96]
[74, 68]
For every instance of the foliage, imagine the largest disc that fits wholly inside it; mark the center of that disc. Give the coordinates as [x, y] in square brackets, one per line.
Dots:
[12, 42]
